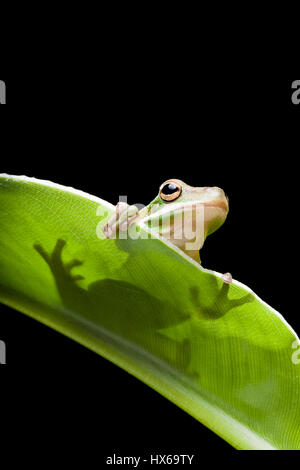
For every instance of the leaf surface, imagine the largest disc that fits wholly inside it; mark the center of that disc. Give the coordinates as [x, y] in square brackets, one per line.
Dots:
[216, 350]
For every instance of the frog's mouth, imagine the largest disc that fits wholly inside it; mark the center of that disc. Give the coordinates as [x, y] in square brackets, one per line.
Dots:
[210, 213]
[219, 204]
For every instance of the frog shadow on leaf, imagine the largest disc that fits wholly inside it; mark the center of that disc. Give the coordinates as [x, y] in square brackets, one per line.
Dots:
[215, 306]
[220, 305]
[121, 308]
[146, 316]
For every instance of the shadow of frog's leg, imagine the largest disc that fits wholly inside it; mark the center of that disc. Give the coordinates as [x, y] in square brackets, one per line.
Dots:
[73, 296]
[55, 262]
[42, 252]
[72, 264]
[227, 304]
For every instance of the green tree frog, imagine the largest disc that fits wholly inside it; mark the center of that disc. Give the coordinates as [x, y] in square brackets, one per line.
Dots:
[183, 214]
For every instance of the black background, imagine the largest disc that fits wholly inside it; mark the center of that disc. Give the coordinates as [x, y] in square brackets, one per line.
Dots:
[122, 130]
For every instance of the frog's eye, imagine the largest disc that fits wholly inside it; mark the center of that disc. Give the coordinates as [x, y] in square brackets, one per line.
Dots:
[170, 191]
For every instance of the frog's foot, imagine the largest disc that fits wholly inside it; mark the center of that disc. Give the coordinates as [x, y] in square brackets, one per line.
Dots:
[54, 260]
[121, 220]
[69, 266]
[227, 278]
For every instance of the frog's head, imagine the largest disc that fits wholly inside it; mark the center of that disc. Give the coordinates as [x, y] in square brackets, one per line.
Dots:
[186, 215]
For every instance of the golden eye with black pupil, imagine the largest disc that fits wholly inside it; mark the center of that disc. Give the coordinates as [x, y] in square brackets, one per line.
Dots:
[170, 191]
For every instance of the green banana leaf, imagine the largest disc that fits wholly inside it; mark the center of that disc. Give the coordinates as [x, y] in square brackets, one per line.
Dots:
[216, 350]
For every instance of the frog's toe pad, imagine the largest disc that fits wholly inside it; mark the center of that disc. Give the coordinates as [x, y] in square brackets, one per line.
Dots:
[120, 208]
[227, 278]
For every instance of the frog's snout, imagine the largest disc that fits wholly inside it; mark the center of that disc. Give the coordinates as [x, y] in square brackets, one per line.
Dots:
[218, 198]
[218, 193]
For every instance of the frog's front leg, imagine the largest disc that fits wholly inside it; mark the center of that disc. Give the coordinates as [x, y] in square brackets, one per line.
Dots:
[60, 270]
[124, 216]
